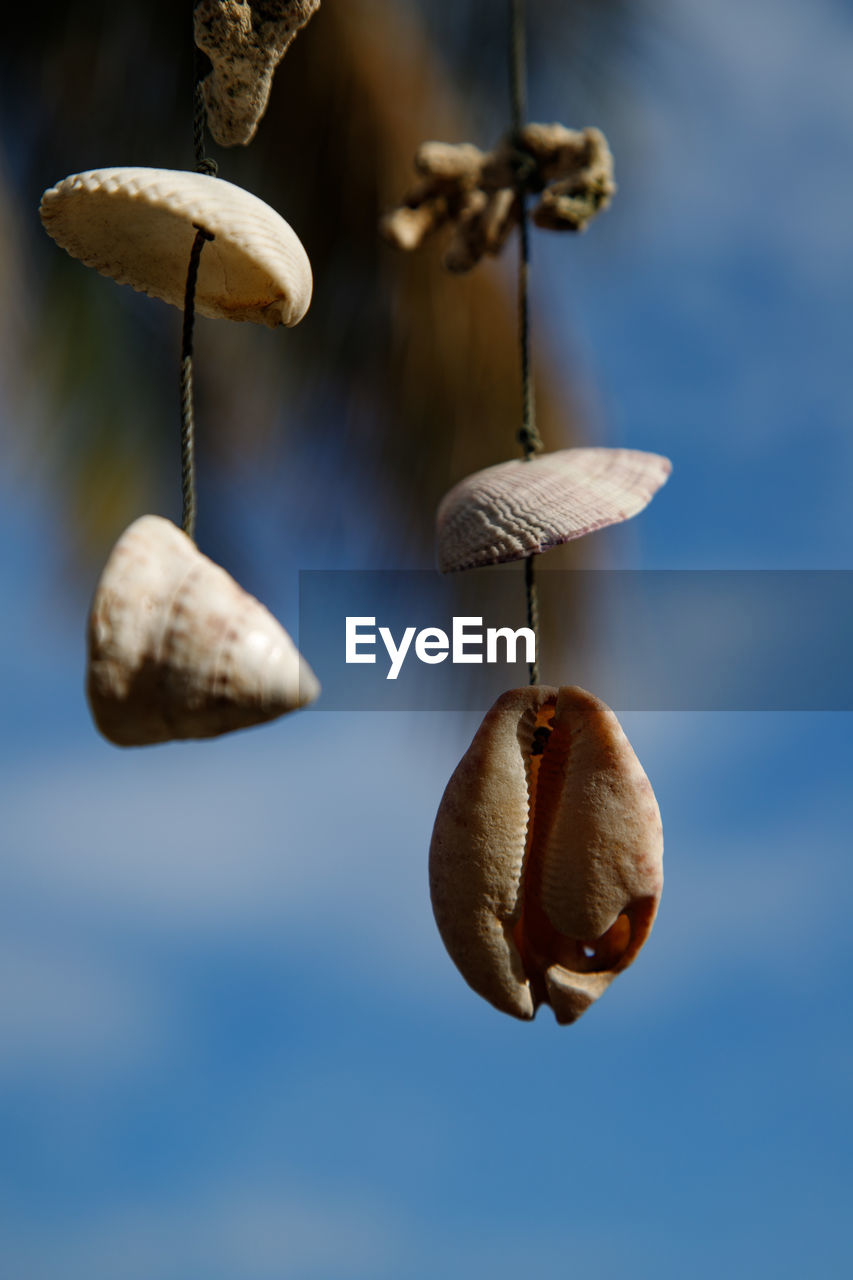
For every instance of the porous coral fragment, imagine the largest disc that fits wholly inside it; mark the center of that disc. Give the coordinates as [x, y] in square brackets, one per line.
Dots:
[479, 194]
[245, 40]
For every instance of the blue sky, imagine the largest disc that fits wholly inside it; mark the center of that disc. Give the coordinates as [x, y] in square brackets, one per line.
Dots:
[231, 1044]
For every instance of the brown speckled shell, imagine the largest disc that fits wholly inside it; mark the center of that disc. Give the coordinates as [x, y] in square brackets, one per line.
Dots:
[178, 650]
[138, 225]
[516, 509]
[598, 852]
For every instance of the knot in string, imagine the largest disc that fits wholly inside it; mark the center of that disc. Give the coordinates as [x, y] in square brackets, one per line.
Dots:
[525, 168]
[203, 164]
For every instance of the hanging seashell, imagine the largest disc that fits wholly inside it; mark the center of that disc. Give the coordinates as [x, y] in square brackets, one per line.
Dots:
[245, 40]
[546, 856]
[515, 509]
[178, 650]
[138, 226]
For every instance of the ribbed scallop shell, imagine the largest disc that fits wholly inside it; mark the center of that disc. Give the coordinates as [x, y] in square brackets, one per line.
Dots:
[178, 650]
[546, 856]
[138, 225]
[515, 509]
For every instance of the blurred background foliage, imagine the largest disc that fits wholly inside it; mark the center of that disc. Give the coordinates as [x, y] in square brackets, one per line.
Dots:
[401, 379]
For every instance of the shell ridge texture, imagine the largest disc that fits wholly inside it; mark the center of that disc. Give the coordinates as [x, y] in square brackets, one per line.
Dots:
[510, 510]
[136, 225]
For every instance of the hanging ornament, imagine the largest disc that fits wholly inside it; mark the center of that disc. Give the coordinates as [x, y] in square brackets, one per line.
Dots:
[546, 854]
[546, 857]
[178, 650]
[245, 40]
[520, 508]
[138, 226]
[480, 195]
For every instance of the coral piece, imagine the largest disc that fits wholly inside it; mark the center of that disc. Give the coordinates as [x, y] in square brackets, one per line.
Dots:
[245, 40]
[479, 194]
[138, 225]
[178, 650]
[546, 858]
[516, 509]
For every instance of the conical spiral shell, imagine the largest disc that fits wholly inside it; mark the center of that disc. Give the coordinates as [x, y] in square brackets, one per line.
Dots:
[546, 857]
[138, 226]
[516, 509]
[178, 650]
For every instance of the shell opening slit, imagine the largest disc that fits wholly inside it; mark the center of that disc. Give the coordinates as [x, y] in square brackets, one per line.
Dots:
[546, 746]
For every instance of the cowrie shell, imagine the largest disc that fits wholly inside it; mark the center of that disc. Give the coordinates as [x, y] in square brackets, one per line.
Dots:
[138, 226]
[178, 650]
[516, 509]
[546, 862]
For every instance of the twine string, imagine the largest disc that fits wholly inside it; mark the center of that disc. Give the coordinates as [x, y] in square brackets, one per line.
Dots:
[203, 163]
[528, 435]
[188, 486]
[532, 614]
[517, 60]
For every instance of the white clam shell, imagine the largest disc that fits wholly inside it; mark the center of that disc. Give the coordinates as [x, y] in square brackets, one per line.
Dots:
[546, 857]
[516, 509]
[178, 650]
[138, 226]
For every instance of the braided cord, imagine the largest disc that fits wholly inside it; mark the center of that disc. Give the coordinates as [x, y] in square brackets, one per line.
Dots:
[188, 485]
[528, 435]
[202, 163]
